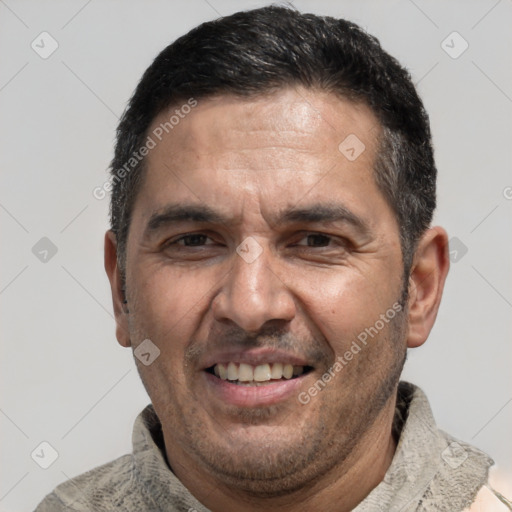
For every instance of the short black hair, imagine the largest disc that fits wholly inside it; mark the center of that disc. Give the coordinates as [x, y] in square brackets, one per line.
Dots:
[257, 52]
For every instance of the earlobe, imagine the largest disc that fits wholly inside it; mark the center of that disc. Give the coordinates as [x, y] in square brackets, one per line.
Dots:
[428, 274]
[117, 289]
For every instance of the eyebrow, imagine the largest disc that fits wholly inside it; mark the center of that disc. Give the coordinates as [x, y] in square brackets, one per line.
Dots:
[330, 212]
[183, 213]
[315, 213]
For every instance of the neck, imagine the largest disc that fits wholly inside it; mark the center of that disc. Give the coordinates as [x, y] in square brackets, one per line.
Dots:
[342, 489]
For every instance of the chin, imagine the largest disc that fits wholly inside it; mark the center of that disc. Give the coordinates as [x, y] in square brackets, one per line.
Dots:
[265, 461]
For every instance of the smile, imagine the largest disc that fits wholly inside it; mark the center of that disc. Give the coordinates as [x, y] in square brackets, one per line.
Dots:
[250, 375]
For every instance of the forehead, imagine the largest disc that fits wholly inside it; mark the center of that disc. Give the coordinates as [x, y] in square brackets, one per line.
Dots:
[273, 150]
[274, 127]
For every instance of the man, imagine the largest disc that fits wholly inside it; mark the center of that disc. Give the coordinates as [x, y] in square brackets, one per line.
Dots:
[271, 261]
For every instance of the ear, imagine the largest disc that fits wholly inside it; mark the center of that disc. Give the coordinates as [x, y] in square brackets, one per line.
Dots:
[426, 282]
[116, 286]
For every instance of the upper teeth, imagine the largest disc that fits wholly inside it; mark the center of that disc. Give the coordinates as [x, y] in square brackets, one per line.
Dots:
[261, 373]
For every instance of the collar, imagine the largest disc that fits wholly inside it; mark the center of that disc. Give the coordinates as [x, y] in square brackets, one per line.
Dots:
[430, 471]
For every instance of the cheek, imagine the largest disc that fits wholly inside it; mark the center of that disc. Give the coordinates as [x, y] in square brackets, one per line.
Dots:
[167, 311]
[167, 304]
[341, 306]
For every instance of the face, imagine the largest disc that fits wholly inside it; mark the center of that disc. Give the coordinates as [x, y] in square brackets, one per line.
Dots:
[265, 265]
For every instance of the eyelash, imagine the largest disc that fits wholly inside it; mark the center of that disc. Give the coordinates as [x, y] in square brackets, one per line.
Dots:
[343, 242]
[188, 235]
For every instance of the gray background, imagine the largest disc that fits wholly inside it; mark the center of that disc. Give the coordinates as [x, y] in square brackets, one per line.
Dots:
[65, 379]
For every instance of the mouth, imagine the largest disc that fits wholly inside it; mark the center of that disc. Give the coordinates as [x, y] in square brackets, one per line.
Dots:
[254, 378]
[243, 374]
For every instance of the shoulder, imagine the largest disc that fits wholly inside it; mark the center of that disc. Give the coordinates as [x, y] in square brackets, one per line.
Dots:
[112, 486]
[494, 496]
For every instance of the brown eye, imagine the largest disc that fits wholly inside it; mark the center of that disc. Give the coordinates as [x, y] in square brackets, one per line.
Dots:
[315, 240]
[318, 240]
[195, 239]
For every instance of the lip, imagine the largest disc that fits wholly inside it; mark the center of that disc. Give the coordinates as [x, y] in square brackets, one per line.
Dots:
[254, 357]
[252, 396]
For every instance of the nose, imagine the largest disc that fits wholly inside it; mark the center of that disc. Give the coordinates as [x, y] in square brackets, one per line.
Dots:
[253, 295]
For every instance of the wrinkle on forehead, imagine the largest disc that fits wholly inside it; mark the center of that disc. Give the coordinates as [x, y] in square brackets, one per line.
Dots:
[267, 132]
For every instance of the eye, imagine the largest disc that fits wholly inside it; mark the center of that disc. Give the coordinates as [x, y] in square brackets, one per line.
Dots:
[193, 247]
[189, 240]
[315, 240]
[192, 240]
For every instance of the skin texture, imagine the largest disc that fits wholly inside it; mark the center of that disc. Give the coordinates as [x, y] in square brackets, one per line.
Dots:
[316, 285]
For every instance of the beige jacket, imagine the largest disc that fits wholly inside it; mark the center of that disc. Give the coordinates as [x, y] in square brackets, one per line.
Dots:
[431, 471]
